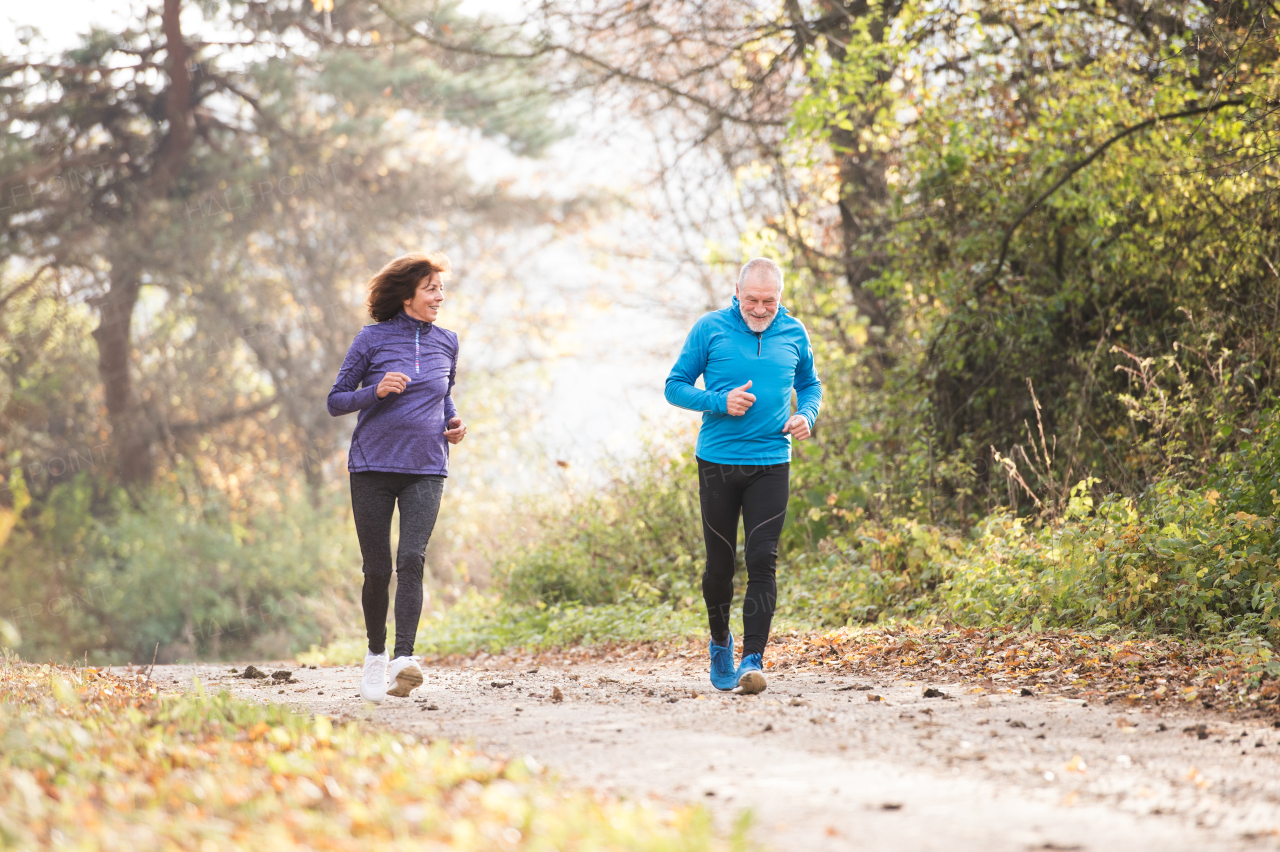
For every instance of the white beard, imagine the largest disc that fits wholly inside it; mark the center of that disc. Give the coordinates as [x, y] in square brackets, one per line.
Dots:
[757, 325]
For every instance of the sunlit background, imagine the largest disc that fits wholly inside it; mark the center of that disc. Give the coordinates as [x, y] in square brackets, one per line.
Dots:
[1033, 246]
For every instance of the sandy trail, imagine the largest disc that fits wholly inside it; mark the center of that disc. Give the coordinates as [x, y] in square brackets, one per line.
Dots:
[822, 767]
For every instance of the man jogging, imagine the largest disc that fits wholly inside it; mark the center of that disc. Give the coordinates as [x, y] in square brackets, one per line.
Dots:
[750, 355]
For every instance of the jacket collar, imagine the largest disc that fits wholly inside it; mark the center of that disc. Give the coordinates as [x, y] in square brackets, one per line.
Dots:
[404, 319]
[735, 307]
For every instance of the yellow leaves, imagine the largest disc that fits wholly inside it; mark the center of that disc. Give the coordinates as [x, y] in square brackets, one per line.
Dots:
[281, 738]
[266, 778]
[362, 819]
[322, 5]
[322, 729]
[8, 518]
[62, 691]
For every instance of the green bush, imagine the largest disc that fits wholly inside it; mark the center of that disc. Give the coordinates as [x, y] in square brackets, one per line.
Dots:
[644, 527]
[1190, 561]
[868, 572]
[1175, 561]
[1249, 478]
[193, 579]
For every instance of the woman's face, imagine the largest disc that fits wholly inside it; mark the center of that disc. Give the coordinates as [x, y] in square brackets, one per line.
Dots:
[427, 299]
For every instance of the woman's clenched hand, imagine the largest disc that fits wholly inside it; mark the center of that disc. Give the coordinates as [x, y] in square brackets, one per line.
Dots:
[393, 383]
[456, 432]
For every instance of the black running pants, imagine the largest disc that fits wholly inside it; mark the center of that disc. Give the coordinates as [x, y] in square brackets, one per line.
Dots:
[759, 494]
[374, 495]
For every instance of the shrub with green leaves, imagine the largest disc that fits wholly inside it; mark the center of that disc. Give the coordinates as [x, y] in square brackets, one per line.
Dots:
[89, 572]
[1175, 561]
[643, 528]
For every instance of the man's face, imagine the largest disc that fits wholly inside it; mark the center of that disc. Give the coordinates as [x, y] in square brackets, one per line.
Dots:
[427, 299]
[758, 299]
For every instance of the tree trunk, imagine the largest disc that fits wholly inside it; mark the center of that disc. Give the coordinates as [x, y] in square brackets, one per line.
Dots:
[864, 187]
[131, 435]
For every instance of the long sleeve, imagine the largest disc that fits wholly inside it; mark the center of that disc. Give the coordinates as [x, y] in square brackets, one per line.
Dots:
[681, 391]
[808, 386]
[451, 410]
[347, 395]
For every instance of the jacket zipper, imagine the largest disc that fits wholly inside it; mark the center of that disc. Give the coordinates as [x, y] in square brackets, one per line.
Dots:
[416, 349]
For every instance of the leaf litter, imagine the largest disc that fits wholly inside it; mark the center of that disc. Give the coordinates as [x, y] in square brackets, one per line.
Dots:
[95, 759]
[1143, 672]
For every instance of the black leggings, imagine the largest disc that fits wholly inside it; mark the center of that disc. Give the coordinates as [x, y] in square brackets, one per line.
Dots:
[759, 493]
[373, 497]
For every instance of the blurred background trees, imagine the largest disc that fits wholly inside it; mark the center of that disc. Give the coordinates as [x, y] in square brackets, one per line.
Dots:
[977, 195]
[186, 213]
[1035, 245]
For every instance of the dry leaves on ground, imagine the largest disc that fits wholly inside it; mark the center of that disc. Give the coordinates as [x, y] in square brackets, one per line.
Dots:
[1161, 671]
[96, 760]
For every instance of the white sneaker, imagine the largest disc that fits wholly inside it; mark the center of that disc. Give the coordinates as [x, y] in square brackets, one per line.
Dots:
[406, 674]
[373, 686]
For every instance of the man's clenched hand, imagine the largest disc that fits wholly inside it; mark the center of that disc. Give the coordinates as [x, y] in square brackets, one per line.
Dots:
[739, 400]
[798, 426]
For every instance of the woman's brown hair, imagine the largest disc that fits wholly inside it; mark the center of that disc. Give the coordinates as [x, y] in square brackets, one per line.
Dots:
[396, 282]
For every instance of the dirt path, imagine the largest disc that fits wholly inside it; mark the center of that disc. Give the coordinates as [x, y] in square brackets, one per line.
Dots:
[822, 767]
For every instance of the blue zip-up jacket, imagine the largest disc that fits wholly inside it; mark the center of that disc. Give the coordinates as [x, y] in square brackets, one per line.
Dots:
[728, 354]
[402, 432]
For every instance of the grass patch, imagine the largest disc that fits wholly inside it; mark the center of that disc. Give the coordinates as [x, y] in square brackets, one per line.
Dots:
[93, 760]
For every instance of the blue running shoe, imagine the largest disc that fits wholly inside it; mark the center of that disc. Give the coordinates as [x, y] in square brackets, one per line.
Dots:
[722, 674]
[750, 676]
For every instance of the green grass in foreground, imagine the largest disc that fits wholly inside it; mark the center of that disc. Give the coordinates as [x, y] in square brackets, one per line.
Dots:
[92, 760]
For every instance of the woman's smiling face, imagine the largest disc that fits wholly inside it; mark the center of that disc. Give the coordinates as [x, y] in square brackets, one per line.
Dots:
[427, 299]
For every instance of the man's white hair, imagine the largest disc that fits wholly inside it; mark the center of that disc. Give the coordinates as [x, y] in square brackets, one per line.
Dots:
[757, 265]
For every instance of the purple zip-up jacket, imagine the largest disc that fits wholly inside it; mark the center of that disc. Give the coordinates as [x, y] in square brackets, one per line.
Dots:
[402, 432]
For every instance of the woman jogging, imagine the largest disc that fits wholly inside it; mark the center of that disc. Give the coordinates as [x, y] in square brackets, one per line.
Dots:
[398, 374]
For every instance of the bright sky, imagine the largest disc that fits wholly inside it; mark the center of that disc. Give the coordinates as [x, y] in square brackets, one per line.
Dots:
[604, 393]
